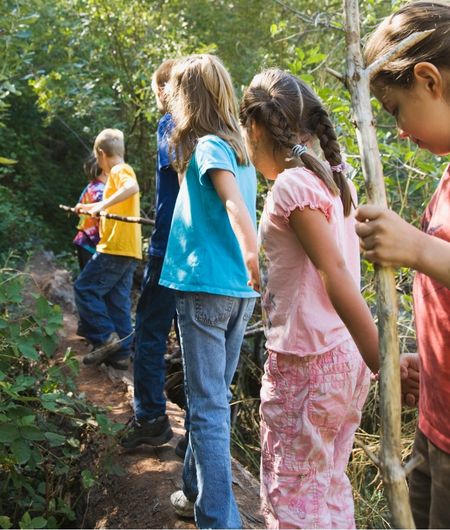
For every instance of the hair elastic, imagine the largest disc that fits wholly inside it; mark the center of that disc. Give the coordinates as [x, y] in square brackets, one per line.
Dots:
[339, 168]
[298, 150]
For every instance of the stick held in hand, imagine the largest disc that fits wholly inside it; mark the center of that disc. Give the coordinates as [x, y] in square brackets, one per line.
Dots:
[140, 220]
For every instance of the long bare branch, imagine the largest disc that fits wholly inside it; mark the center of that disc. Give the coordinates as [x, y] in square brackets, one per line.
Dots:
[407, 43]
[140, 220]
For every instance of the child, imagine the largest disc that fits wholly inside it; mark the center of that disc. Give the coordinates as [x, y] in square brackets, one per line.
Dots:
[315, 380]
[156, 307]
[415, 88]
[88, 235]
[211, 262]
[103, 289]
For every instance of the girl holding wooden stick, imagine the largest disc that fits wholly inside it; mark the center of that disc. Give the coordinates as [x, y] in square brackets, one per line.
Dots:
[415, 88]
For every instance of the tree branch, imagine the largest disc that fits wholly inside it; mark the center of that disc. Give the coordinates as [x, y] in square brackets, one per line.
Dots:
[140, 220]
[407, 43]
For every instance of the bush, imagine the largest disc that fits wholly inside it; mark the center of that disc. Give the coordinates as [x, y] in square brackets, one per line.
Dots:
[48, 434]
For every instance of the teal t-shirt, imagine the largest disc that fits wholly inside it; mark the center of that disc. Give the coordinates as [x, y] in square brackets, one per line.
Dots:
[203, 254]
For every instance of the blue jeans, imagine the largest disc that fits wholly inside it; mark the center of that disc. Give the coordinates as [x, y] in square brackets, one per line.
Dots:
[103, 299]
[154, 316]
[211, 329]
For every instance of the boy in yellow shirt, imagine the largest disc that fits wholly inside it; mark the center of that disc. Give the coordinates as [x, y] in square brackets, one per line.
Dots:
[103, 289]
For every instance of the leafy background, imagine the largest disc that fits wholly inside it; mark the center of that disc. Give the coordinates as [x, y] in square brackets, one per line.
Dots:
[72, 67]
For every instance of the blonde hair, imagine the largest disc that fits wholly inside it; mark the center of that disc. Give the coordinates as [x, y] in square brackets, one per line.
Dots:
[289, 110]
[111, 142]
[413, 17]
[202, 101]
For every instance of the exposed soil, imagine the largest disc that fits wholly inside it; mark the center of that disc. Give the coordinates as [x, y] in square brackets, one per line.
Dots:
[139, 498]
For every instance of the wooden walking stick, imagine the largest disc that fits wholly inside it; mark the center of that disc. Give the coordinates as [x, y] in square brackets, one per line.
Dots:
[357, 81]
[140, 220]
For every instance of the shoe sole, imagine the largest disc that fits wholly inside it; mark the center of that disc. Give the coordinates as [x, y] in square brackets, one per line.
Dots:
[149, 440]
[100, 355]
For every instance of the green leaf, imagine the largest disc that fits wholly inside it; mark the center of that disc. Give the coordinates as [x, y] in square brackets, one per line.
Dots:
[21, 451]
[88, 479]
[31, 432]
[55, 439]
[38, 522]
[25, 522]
[9, 433]
[5, 522]
[6, 162]
[27, 348]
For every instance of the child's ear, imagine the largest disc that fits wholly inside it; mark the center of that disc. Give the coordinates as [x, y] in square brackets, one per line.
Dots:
[429, 77]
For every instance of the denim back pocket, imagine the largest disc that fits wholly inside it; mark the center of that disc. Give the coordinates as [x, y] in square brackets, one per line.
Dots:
[212, 309]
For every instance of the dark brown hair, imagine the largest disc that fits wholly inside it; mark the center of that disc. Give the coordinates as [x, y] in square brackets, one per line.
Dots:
[289, 111]
[411, 18]
[90, 167]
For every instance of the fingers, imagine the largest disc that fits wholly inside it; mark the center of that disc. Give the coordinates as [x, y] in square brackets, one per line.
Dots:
[368, 212]
[410, 400]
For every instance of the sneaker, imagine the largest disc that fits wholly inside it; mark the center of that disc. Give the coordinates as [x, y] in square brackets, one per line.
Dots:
[153, 432]
[180, 449]
[104, 350]
[182, 505]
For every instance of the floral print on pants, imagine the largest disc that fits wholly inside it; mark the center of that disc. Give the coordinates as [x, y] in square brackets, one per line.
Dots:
[310, 410]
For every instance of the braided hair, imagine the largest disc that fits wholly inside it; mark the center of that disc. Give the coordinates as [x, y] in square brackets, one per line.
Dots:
[289, 110]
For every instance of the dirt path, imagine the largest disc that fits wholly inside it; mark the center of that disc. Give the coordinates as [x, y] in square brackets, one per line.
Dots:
[139, 498]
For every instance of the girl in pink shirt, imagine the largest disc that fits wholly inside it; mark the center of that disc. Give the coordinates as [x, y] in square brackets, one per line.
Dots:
[320, 333]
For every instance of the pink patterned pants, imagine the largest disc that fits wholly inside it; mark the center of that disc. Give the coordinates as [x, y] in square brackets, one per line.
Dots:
[310, 410]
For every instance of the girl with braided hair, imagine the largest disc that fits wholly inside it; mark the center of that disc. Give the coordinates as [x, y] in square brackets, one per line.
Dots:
[320, 333]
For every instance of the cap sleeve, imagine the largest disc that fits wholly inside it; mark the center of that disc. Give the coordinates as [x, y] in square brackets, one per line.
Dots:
[213, 153]
[299, 189]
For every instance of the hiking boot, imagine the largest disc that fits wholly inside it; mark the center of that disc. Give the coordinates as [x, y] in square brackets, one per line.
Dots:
[103, 351]
[180, 449]
[119, 363]
[182, 505]
[153, 432]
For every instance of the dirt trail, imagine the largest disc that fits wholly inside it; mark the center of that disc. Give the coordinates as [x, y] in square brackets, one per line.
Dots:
[139, 498]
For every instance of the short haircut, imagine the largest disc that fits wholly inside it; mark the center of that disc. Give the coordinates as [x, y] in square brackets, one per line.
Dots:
[162, 74]
[111, 142]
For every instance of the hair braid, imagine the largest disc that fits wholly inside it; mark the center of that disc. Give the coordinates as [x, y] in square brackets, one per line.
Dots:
[279, 128]
[322, 127]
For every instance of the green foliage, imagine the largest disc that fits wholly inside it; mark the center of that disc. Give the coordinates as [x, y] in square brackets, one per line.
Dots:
[47, 432]
[72, 67]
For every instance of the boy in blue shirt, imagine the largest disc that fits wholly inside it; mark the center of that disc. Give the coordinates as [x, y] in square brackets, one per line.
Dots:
[156, 307]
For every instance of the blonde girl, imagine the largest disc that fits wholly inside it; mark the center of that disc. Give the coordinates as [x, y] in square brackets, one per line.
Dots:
[211, 263]
[320, 334]
[415, 89]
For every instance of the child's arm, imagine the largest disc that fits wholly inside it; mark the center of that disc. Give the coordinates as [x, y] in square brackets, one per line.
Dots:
[130, 187]
[226, 187]
[313, 231]
[388, 240]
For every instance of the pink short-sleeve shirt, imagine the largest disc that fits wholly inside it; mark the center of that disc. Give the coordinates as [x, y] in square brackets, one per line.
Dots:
[299, 316]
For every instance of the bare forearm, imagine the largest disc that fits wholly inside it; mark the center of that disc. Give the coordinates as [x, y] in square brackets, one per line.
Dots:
[121, 194]
[243, 228]
[433, 258]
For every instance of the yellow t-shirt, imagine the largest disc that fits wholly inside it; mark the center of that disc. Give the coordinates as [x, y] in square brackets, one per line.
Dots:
[118, 237]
